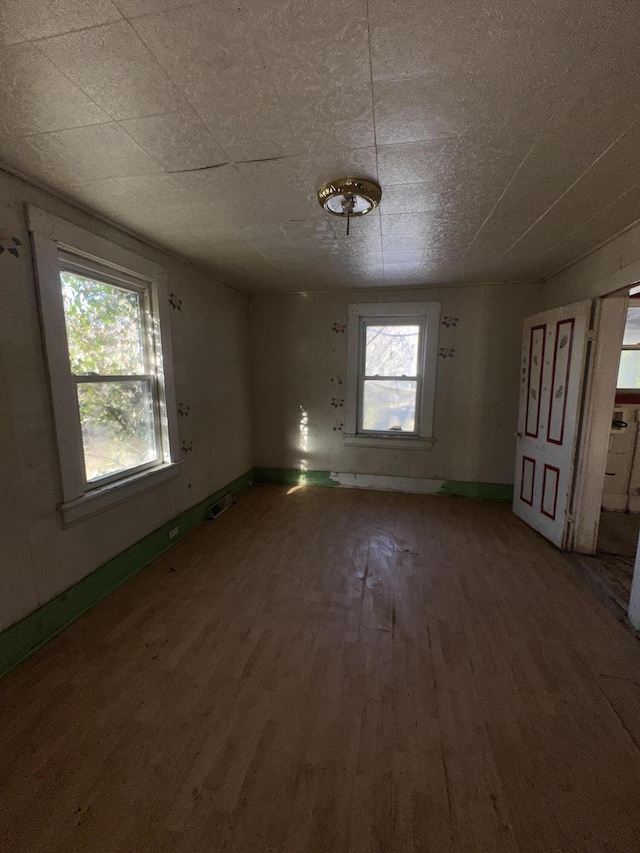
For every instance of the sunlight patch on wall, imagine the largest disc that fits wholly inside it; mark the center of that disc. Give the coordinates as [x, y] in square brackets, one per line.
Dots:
[304, 443]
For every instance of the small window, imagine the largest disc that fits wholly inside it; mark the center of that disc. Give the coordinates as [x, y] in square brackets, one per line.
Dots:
[392, 369]
[629, 369]
[108, 350]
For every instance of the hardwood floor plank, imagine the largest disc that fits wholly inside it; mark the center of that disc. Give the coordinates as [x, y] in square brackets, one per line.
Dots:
[332, 670]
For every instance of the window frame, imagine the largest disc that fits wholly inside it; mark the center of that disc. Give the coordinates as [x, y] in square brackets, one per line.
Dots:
[634, 302]
[360, 315]
[364, 323]
[59, 245]
[98, 272]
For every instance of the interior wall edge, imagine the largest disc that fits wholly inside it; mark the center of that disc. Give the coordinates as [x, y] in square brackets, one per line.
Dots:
[603, 271]
[20, 640]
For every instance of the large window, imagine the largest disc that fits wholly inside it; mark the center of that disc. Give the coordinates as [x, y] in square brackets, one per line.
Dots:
[392, 367]
[108, 354]
[629, 369]
[112, 355]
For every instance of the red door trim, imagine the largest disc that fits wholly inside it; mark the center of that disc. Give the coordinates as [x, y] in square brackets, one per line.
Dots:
[544, 489]
[543, 326]
[533, 477]
[572, 322]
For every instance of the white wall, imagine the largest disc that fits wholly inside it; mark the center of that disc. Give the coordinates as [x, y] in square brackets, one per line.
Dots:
[38, 558]
[611, 267]
[622, 480]
[297, 356]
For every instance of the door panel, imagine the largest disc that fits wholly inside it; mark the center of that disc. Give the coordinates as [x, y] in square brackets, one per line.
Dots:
[537, 340]
[552, 370]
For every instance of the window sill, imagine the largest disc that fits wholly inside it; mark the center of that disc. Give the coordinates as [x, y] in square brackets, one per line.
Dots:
[393, 442]
[100, 499]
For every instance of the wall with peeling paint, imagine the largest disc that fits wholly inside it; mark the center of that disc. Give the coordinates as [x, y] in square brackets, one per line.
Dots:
[209, 326]
[299, 352]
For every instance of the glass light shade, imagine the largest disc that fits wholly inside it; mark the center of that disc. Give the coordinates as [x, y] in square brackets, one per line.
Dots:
[336, 204]
[337, 196]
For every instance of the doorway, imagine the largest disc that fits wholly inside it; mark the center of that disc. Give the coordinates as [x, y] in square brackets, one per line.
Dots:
[608, 519]
[577, 477]
[620, 514]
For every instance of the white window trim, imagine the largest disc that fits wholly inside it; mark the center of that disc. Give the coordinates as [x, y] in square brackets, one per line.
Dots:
[430, 311]
[408, 442]
[50, 237]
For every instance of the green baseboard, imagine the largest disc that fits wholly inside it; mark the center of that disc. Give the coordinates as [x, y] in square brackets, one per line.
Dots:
[19, 641]
[454, 488]
[293, 477]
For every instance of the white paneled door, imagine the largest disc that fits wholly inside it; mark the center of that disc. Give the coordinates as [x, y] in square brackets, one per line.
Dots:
[554, 346]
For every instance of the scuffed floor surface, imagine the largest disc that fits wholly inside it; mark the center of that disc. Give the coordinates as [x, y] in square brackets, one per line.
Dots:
[618, 533]
[324, 670]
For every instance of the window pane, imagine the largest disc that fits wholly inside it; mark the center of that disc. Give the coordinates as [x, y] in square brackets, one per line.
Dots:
[629, 370]
[104, 327]
[389, 405]
[392, 350]
[117, 426]
[632, 328]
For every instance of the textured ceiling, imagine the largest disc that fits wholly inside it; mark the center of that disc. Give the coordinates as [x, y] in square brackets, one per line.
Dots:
[505, 135]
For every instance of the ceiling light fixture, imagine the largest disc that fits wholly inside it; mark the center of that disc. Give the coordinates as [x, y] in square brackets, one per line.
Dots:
[349, 197]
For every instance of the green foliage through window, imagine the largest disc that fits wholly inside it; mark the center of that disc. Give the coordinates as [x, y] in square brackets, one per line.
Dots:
[104, 327]
[105, 332]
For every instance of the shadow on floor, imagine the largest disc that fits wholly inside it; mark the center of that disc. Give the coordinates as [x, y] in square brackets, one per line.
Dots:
[609, 576]
[610, 570]
[618, 533]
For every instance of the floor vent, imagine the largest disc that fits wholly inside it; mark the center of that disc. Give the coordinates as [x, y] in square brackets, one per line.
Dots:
[219, 507]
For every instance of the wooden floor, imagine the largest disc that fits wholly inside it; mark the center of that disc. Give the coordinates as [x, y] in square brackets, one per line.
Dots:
[609, 572]
[609, 576]
[329, 670]
[618, 533]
